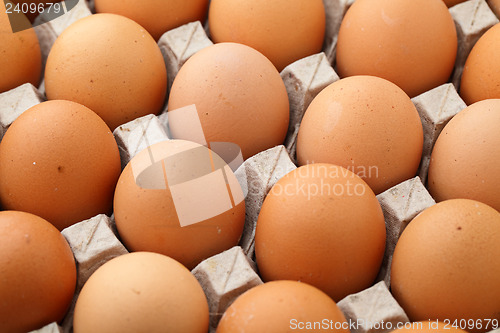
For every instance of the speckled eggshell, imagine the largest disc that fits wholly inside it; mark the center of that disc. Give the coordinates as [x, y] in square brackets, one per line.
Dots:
[110, 64]
[37, 273]
[283, 306]
[60, 161]
[283, 30]
[411, 43]
[465, 161]
[20, 55]
[239, 95]
[321, 224]
[367, 125]
[481, 75]
[141, 292]
[447, 262]
[157, 16]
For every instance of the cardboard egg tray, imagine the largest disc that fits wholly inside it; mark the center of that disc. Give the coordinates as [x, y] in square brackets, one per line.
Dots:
[227, 275]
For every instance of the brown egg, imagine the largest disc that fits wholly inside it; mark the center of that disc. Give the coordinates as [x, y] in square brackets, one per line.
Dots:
[447, 262]
[466, 157]
[110, 64]
[270, 27]
[411, 43]
[321, 224]
[481, 75]
[171, 200]
[430, 327]
[239, 96]
[367, 125]
[37, 273]
[141, 292]
[20, 60]
[283, 306]
[60, 161]
[157, 16]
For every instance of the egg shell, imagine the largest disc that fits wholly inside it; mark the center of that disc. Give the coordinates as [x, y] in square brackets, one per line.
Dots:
[367, 125]
[279, 306]
[465, 161]
[156, 16]
[21, 60]
[239, 96]
[141, 292]
[447, 262]
[481, 75]
[321, 224]
[270, 27]
[60, 161]
[410, 43]
[147, 218]
[37, 272]
[110, 64]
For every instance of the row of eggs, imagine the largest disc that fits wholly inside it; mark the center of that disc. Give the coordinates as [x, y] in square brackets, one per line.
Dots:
[68, 169]
[413, 45]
